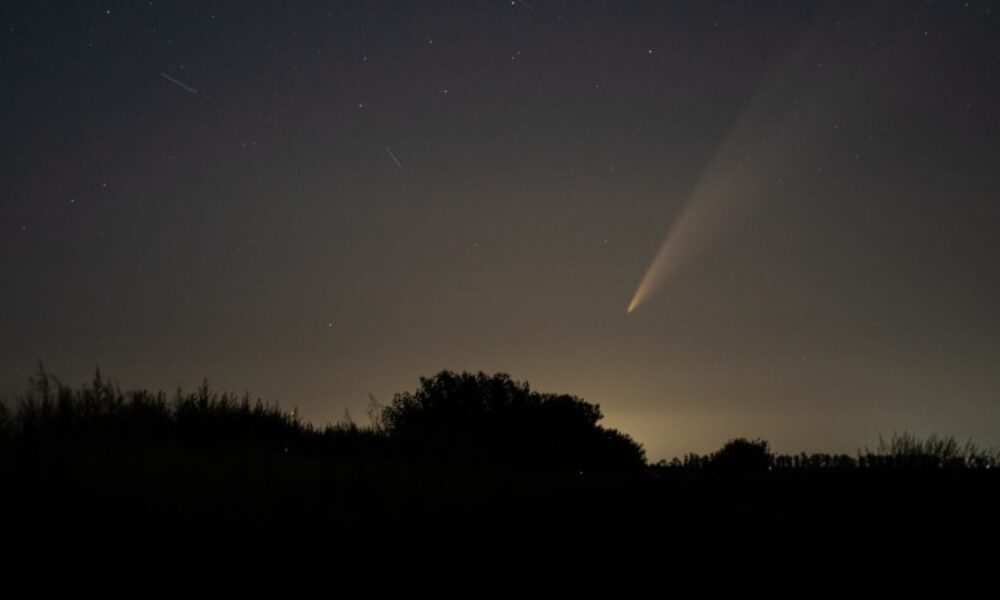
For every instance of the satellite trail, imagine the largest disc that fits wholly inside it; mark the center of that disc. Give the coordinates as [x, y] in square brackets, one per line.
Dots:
[393, 157]
[180, 84]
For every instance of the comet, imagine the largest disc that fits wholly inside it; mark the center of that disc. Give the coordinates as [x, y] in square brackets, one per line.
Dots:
[711, 209]
[747, 162]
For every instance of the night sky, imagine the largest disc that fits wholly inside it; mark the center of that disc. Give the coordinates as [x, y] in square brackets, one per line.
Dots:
[314, 201]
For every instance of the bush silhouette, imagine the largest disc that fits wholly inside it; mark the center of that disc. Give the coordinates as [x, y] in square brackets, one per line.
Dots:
[493, 419]
[742, 456]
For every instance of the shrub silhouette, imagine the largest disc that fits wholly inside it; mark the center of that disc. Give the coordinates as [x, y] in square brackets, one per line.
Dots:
[493, 419]
[742, 456]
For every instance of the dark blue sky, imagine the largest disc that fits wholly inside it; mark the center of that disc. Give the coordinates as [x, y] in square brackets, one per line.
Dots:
[315, 201]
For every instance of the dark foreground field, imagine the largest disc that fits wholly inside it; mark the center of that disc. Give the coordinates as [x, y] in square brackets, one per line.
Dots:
[468, 465]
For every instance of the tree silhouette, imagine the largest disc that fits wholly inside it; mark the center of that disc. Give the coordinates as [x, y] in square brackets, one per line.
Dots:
[493, 419]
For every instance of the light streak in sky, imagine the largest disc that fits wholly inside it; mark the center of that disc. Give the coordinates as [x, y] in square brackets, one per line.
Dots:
[180, 84]
[393, 157]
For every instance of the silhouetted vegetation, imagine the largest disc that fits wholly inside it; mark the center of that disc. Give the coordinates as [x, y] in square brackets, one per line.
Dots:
[741, 455]
[906, 450]
[467, 454]
[476, 418]
[900, 451]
